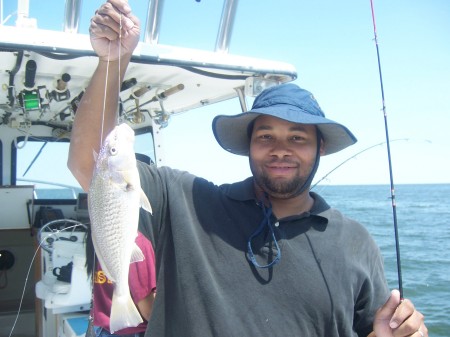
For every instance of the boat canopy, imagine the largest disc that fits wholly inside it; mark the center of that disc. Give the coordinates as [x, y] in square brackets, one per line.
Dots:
[44, 73]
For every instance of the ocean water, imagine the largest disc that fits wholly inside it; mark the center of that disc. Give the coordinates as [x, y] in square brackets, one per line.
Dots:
[423, 219]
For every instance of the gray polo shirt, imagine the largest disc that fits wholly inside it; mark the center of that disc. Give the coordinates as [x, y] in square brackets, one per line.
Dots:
[329, 281]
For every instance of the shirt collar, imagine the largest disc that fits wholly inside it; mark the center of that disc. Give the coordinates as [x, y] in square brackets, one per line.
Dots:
[244, 191]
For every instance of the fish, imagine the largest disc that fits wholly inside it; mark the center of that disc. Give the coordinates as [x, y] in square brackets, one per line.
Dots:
[114, 199]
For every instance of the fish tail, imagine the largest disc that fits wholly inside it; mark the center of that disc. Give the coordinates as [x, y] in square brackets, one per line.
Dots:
[124, 313]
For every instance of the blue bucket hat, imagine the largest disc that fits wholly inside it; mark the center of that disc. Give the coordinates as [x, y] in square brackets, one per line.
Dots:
[285, 101]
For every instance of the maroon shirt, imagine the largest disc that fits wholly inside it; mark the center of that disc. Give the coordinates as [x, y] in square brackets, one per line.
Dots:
[141, 280]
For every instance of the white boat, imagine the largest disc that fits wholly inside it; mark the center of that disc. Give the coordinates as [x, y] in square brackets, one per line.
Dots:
[43, 75]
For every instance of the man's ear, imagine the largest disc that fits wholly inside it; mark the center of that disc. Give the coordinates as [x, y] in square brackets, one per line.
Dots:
[322, 147]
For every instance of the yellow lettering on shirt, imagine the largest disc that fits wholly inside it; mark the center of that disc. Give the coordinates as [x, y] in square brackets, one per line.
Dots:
[100, 277]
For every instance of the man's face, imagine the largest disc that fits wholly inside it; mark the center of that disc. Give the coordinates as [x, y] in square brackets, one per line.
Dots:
[282, 155]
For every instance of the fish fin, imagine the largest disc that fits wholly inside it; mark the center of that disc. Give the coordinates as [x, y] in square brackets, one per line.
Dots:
[136, 254]
[145, 203]
[127, 176]
[123, 312]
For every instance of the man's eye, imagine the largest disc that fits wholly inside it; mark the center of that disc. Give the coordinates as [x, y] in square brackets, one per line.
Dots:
[265, 137]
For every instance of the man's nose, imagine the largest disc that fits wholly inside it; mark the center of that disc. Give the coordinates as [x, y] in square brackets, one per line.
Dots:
[281, 149]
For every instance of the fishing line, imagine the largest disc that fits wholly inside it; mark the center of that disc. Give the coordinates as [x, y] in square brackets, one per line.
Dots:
[104, 96]
[76, 224]
[120, 51]
[391, 176]
[351, 157]
[107, 76]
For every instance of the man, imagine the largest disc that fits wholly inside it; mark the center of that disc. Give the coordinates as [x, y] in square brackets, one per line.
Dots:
[262, 257]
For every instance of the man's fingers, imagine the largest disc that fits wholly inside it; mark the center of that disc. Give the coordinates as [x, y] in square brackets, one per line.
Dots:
[114, 20]
[388, 309]
[109, 17]
[403, 312]
[121, 5]
[383, 316]
[120, 12]
[100, 31]
[412, 321]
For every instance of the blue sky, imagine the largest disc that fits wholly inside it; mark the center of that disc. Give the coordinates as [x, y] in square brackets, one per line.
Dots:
[331, 45]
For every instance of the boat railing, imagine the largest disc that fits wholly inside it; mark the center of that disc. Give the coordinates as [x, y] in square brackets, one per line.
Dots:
[73, 189]
[72, 14]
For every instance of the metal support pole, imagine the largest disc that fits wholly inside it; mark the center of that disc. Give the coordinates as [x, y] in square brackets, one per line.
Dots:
[226, 26]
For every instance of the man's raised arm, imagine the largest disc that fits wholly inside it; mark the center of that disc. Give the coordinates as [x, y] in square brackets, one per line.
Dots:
[96, 114]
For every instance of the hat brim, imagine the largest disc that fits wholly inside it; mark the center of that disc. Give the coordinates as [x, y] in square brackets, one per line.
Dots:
[231, 131]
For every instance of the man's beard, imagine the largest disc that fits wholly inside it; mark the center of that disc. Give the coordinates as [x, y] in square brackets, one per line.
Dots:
[278, 188]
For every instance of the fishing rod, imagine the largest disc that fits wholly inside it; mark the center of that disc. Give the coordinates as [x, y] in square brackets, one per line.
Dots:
[34, 159]
[391, 176]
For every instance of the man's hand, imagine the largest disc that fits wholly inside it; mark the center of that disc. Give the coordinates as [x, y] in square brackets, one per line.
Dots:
[105, 30]
[399, 318]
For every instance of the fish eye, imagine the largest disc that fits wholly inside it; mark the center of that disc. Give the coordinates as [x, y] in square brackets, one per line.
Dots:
[113, 151]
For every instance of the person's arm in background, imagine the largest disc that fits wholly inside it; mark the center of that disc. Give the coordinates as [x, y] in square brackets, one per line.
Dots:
[89, 124]
[145, 305]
